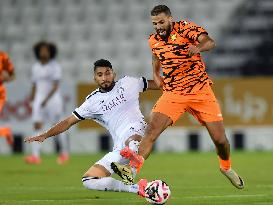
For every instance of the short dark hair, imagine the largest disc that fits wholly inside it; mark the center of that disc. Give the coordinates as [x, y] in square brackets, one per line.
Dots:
[51, 47]
[102, 63]
[161, 9]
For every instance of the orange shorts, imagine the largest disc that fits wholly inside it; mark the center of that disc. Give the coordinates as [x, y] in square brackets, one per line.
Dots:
[2, 98]
[202, 105]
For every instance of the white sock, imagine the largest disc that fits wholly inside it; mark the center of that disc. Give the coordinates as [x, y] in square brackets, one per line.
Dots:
[63, 140]
[36, 146]
[134, 145]
[108, 184]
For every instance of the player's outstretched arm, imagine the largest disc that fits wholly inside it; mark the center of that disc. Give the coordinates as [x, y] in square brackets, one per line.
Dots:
[60, 127]
[205, 44]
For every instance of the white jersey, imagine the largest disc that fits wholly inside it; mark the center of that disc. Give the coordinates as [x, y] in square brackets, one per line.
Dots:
[43, 76]
[117, 110]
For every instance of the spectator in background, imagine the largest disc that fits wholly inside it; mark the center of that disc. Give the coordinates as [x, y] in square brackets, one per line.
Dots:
[6, 75]
[47, 104]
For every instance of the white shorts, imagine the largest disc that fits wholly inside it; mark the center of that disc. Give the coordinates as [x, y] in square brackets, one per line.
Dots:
[120, 137]
[137, 128]
[110, 157]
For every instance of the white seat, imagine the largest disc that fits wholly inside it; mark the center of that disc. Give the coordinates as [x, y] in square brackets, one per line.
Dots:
[78, 32]
[57, 32]
[65, 50]
[69, 68]
[99, 31]
[52, 14]
[117, 13]
[15, 31]
[20, 51]
[73, 14]
[132, 67]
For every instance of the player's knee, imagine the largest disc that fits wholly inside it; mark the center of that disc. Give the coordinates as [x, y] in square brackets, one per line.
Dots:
[221, 141]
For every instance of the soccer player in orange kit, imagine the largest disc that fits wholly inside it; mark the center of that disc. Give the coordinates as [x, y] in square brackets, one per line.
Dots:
[6, 75]
[176, 48]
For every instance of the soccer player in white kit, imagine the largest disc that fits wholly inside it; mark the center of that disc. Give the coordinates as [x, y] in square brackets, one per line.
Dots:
[115, 106]
[47, 106]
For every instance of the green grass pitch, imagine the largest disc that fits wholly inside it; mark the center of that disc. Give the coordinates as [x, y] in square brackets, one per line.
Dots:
[194, 179]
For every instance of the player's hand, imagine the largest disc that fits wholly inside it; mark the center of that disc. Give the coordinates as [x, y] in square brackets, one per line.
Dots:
[193, 50]
[39, 138]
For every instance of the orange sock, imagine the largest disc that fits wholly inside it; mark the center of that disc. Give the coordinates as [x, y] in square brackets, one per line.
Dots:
[4, 131]
[224, 164]
[7, 133]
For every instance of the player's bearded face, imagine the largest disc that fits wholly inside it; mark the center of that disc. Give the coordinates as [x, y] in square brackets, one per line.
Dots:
[105, 78]
[162, 24]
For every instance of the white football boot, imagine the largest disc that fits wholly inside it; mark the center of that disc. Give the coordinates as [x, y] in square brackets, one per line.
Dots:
[234, 178]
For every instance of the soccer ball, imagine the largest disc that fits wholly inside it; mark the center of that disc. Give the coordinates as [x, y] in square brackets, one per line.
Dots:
[157, 192]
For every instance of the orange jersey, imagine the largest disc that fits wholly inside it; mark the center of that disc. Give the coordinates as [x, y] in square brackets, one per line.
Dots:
[181, 73]
[5, 65]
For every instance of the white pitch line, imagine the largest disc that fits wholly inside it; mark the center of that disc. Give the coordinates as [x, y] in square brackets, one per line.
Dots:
[225, 196]
[66, 200]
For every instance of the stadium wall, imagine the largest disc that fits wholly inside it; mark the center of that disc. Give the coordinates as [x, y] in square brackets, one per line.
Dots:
[247, 107]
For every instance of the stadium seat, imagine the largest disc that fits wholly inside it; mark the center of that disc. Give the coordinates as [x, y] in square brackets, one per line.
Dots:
[119, 29]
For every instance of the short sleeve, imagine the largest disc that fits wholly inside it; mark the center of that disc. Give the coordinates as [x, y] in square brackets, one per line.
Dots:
[56, 72]
[83, 112]
[191, 30]
[8, 66]
[143, 84]
[140, 83]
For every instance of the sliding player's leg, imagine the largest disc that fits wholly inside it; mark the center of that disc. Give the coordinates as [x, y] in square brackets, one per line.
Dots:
[127, 173]
[98, 177]
[158, 123]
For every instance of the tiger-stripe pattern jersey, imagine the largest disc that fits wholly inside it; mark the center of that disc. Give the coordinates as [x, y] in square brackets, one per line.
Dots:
[181, 73]
[5, 65]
